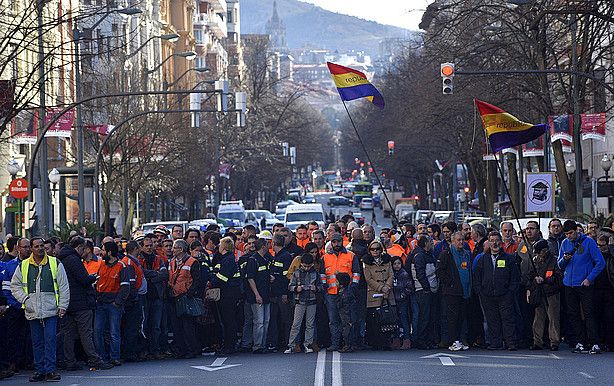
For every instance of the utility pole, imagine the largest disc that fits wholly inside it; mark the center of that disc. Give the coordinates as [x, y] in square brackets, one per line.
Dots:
[43, 212]
[76, 36]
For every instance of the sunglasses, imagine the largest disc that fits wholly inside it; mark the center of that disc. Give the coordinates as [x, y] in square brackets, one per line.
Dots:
[375, 249]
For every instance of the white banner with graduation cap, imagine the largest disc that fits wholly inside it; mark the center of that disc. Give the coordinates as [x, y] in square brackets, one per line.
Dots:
[539, 194]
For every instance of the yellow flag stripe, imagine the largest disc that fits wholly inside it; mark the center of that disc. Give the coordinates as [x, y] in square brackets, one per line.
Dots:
[503, 122]
[349, 80]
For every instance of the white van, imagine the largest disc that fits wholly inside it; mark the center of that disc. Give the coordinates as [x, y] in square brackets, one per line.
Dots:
[302, 214]
[233, 212]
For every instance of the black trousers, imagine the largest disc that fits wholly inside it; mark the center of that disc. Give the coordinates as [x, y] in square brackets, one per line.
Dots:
[580, 302]
[228, 304]
[499, 312]
[475, 321]
[19, 349]
[184, 333]
[280, 322]
[604, 298]
[456, 310]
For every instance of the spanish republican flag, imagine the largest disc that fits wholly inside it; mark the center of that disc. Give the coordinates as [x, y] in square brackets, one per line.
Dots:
[353, 84]
[504, 130]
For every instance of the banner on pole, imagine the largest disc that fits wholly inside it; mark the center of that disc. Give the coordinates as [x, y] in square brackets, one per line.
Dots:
[62, 126]
[24, 128]
[592, 126]
[561, 127]
[535, 148]
[539, 193]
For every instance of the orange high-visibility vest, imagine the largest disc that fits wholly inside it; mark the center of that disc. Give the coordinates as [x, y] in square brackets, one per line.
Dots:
[181, 276]
[334, 264]
[398, 251]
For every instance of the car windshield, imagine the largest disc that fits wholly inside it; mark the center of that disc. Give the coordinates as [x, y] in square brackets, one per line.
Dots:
[306, 216]
[232, 216]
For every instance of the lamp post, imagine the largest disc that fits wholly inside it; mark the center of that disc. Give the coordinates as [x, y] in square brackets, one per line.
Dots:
[606, 165]
[80, 136]
[54, 178]
[188, 55]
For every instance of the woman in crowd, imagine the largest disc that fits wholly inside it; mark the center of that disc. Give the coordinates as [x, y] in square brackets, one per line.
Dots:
[379, 277]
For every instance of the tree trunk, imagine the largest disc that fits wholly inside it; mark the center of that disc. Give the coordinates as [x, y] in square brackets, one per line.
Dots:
[568, 190]
[130, 215]
[512, 173]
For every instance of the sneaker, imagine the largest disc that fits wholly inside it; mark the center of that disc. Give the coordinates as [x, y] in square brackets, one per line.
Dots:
[579, 349]
[37, 377]
[289, 351]
[465, 347]
[53, 377]
[308, 350]
[456, 346]
[595, 349]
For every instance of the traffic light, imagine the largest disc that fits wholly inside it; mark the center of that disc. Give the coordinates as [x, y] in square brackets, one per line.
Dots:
[447, 78]
[390, 147]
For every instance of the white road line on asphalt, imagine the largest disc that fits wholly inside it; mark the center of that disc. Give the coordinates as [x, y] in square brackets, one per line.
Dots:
[218, 362]
[320, 368]
[337, 378]
[447, 361]
[586, 375]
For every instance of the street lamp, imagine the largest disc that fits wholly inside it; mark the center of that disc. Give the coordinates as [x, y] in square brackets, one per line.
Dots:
[606, 164]
[197, 69]
[54, 178]
[570, 167]
[314, 176]
[13, 167]
[188, 55]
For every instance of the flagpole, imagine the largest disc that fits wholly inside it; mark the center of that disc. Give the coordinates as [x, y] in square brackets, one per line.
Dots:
[364, 148]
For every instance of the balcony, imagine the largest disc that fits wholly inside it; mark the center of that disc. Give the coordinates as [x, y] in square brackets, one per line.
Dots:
[200, 19]
[219, 6]
[218, 26]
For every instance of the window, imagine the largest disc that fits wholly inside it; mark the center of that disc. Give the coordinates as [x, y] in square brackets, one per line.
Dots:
[229, 16]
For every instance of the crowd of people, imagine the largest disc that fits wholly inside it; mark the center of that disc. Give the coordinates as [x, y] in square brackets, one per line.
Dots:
[345, 288]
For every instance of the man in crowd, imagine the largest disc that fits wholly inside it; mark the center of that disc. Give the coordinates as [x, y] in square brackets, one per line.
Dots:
[582, 261]
[257, 296]
[281, 306]
[509, 244]
[41, 285]
[302, 237]
[496, 280]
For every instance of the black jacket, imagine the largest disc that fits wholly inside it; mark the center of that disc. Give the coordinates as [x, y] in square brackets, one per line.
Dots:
[156, 278]
[447, 272]
[554, 243]
[82, 293]
[360, 249]
[549, 270]
[499, 281]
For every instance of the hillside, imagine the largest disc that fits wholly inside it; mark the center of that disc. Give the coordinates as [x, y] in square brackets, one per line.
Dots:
[307, 24]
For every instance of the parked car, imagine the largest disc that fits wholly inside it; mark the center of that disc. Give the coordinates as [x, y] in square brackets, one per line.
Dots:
[202, 224]
[360, 218]
[309, 199]
[422, 216]
[339, 201]
[280, 207]
[366, 203]
[233, 212]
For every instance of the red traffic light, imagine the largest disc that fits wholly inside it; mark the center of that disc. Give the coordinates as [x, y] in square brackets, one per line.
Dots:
[447, 69]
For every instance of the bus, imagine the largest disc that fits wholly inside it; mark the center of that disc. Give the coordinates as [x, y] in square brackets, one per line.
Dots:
[362, 190]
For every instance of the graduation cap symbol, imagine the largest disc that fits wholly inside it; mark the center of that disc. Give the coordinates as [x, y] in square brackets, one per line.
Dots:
[540, 192]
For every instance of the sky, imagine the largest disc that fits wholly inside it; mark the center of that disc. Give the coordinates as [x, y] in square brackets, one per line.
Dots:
[400, 13]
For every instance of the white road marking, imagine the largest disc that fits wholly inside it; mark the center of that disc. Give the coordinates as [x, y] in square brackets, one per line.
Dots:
[320, 368]
[447, 361]
[586, 375]
[337, 378]
[218, 362]
[443, 354]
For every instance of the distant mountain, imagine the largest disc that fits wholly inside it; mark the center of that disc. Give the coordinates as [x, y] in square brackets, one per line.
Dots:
[307, 24]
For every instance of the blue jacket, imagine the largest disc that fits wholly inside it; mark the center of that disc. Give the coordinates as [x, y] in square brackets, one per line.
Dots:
[6, 274]
[586, 263]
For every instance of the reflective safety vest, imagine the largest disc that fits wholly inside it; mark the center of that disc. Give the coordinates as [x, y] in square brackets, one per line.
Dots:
[334, 264]
[181, 276]
[302, 243]
[109, 280]
[53, 267]
[397, 251]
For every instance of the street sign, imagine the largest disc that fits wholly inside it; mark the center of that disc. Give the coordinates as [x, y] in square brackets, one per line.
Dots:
[19, 188]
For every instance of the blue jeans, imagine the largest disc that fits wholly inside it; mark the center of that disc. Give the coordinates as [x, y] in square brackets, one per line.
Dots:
[152, 321]
[414, 316]
[424, 335]
[261, 314]
[334, 320]
[248, 326]
[43, 344]
[403, 313]
[108, 317]
[358, 314]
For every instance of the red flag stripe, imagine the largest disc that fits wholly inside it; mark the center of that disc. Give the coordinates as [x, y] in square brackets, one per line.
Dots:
[486, 108]
[336, 69]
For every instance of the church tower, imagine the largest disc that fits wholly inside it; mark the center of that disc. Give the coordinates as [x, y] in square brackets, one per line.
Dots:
[276, 29]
